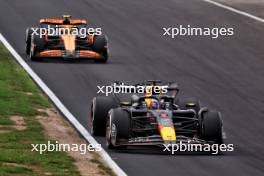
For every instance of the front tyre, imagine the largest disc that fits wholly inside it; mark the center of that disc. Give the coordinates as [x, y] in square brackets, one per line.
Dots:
[212, 127]
[117, 129]
[29, 32]
[99, 112]
[37, 46]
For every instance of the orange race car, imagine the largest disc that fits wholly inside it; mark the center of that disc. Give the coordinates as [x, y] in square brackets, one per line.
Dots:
[66, 38]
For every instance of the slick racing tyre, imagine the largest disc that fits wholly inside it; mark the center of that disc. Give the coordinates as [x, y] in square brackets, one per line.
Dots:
[212, 127]
[99, 112]
[39, 45]
[100, 46]
[117, 128]
[29, 32]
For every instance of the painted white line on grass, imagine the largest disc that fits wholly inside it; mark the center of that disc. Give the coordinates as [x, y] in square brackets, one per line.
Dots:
[107, 159]
[236, 10]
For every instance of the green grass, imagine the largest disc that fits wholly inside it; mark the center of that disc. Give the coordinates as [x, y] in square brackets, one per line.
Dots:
[20, 96]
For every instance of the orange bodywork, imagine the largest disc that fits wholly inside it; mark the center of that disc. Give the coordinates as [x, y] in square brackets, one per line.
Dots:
[59, 53]
[69, 42]
[70, 47]
[60, 21]
[90, 54]
[50, 53]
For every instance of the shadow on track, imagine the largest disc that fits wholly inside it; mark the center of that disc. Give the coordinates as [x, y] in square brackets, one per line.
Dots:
[159, 151]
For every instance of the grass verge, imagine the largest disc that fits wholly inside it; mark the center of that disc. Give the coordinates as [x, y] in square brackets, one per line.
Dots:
[20, 101]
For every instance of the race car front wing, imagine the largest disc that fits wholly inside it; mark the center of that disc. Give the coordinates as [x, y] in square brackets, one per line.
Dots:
[70, 54]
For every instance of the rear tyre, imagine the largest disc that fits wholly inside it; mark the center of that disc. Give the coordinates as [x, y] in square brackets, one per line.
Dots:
[103, 59]
[100, 46]
[117, 129]
[39, 45]
[212, 127]
[99, 112]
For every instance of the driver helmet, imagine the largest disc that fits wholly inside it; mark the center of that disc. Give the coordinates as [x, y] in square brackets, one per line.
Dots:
[152, 103]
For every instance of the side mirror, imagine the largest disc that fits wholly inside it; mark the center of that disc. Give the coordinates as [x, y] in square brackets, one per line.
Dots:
[190, 105]
[125, 103]
[134, 99]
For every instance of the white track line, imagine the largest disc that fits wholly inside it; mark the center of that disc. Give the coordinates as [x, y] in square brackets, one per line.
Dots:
[107, 159]
[236, 10]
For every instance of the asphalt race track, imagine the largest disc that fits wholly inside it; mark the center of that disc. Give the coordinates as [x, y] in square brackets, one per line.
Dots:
[225, 74]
